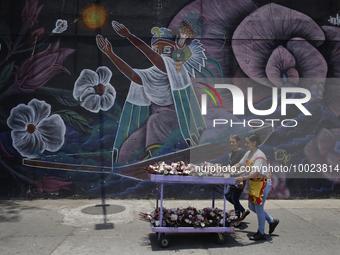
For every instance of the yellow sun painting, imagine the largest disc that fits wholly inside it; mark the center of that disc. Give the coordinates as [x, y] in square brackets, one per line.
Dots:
[94, 17]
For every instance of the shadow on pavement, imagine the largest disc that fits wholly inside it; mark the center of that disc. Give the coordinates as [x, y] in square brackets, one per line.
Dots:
[10, 210]
[183, 241]
[104, 225]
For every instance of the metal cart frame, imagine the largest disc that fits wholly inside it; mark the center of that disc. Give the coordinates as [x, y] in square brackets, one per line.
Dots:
[219, 181]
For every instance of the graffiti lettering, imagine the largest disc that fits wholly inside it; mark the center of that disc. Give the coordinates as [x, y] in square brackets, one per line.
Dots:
[282, 155]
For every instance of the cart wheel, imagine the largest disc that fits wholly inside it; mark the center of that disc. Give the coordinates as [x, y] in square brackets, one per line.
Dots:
[164, 242]
[221, 238]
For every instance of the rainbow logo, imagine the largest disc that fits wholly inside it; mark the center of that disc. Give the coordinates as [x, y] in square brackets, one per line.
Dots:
[208, 92]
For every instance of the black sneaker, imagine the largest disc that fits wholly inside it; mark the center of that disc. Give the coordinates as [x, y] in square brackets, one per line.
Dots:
[246, 212]
[258, 236]
[273, 225]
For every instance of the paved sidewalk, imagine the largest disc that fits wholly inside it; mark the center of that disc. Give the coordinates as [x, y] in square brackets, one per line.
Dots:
[61, 227]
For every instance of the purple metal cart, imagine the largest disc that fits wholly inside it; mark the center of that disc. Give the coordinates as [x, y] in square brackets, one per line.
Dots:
[163, 231]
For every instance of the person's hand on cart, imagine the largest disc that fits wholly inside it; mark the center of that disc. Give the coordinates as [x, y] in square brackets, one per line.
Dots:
[239, 180]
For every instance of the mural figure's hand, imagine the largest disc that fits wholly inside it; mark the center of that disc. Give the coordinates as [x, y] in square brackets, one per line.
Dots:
[103, 44]
[120, 29]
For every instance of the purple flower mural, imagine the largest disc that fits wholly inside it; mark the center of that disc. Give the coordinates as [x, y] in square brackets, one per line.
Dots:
[332, 48]
[35, 72]
[94, 90]
[280, 48]
[273, 46]
[34, 131]
[31, 12]
[325, 149]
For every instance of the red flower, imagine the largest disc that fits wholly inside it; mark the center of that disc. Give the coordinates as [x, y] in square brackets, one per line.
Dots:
[35, 72]
[52, 183]
[31, 12]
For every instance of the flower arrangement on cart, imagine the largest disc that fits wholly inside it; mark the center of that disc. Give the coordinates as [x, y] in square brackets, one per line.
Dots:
[189, 217]
[188, 169]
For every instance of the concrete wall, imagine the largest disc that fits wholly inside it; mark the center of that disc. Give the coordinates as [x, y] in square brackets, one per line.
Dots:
[77, 119]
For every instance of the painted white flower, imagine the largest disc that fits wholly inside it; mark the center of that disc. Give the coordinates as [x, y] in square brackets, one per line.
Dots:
[94, 90]
[157, 223]
[34, 131]
[202, 224]
[60, 26]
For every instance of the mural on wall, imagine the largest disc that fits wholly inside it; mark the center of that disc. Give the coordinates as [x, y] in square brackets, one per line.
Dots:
[89, 94]
[154, 91]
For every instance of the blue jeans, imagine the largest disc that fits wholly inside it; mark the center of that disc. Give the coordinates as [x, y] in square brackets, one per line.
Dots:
[262, 216]
[234, 198]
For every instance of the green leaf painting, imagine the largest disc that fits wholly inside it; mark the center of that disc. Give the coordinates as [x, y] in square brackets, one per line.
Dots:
[75, 120]
[65, 97]
[5, 74]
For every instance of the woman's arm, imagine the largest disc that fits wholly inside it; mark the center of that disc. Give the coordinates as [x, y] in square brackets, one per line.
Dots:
[247, 176]
[237, 165]
[154, 57]
[253, 172]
